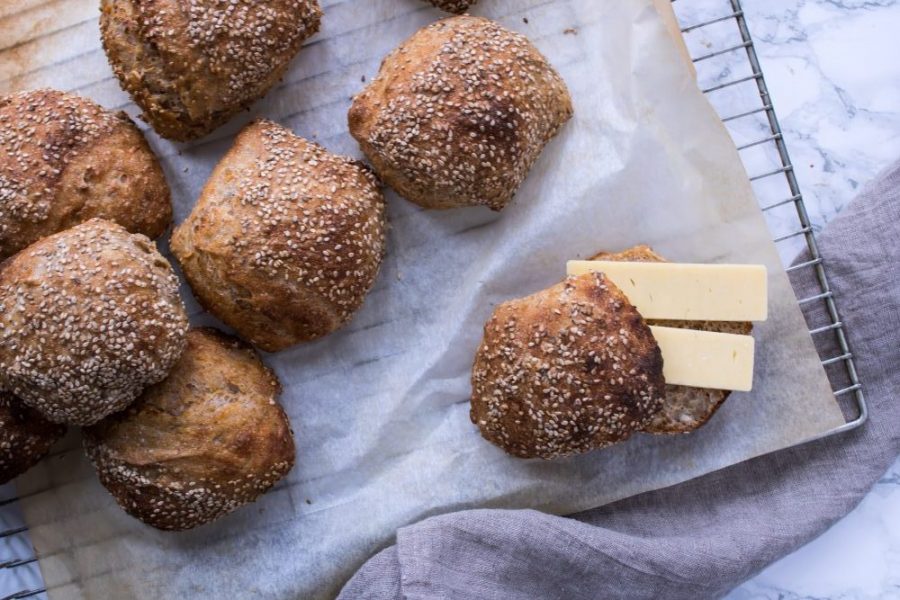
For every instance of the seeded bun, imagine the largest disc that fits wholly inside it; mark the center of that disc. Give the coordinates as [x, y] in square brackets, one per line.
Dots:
[64, 160]
[88, 318]
[459, 113]
[192, 65]
[454, 6]
[286, 239]
[210, 438]
[569, 369]
[25, 437]
[685, 408]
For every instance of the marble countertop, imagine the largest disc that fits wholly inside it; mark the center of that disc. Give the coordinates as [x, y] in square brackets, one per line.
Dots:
[834, 77]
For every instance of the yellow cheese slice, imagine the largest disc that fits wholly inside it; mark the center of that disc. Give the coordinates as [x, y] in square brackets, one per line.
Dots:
[687, 292]
[722, 361]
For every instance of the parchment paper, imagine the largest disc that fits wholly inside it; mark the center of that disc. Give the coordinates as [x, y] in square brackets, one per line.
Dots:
[380, 409]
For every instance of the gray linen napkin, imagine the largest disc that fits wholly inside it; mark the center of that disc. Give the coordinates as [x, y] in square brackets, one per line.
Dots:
[701, 538]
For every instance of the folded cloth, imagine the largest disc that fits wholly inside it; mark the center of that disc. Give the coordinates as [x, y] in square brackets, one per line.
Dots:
[701, 538]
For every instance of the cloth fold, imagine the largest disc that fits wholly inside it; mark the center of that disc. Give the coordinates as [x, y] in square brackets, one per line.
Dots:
[703, 537]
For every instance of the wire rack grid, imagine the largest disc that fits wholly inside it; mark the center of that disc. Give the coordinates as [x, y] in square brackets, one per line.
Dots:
[729, 73]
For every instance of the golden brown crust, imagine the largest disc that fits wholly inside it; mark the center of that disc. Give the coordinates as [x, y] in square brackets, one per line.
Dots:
[192, 65]
[88, 318]
[25, 437]
[459, 113]
[686, 408]
[209, 438]
[286, 239]
[65, 160]
[569, 369]
[454, 6]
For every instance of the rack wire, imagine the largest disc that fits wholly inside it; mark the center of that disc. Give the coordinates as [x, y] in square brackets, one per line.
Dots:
[760, 142]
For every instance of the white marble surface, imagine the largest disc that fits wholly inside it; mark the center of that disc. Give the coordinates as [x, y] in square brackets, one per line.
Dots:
[834, 77]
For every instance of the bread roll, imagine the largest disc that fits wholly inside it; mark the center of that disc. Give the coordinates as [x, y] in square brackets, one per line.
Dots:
[454, 6]
[209, 438]
[459, 113]
[88, 318]
[285, 240]
[25, 437]
[192, 65]
[569, 369]
[64, 160]
[685, 408]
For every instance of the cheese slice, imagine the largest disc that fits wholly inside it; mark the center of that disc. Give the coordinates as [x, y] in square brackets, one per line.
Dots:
[722, 361]
[687, 292]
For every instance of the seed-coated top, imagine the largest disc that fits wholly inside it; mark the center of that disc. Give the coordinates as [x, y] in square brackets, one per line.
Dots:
[569, 369]
[459, 113]
[88, 318]
[65, 159]
[286, 239]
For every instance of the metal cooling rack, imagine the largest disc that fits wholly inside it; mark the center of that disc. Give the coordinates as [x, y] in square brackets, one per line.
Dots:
[760, 141]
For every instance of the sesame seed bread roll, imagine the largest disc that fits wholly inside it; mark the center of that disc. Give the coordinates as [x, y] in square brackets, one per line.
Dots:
[454, 6]
[286, 239]
[192, 65]
[25, 437]
[569, 369]
[64, 160]
[88, 318]
[459, 113]
[209, 438]
[685, 408]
